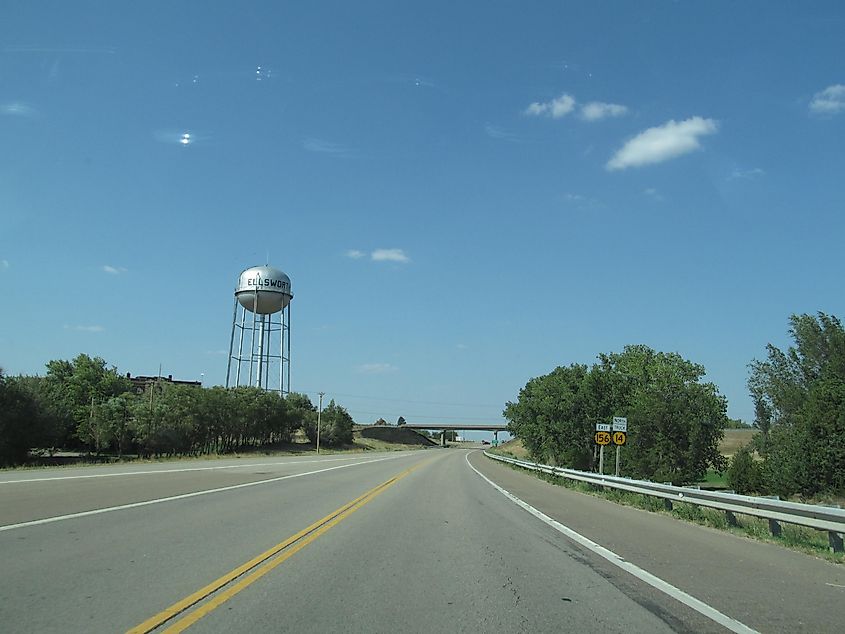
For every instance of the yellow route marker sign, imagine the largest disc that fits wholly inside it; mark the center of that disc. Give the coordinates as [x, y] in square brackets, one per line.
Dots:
[602, 437]
[619, 438]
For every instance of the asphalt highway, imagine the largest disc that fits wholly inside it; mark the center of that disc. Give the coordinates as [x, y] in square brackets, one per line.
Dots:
[419, 541]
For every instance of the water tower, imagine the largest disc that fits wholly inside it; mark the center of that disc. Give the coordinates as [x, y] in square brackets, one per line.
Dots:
[262, 331]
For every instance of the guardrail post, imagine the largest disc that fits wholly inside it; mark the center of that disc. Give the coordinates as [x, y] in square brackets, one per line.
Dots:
[732, 521]
[774, 527]
[835, 541]
[667, 504]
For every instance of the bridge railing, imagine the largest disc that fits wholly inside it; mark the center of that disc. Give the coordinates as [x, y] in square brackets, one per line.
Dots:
[823, 518]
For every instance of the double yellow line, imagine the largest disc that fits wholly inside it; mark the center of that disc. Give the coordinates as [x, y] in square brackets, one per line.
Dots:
[268, 558]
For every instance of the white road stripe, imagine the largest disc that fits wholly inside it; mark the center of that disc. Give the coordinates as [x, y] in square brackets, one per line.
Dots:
[655, 582]
[156, 471]
[122, 507]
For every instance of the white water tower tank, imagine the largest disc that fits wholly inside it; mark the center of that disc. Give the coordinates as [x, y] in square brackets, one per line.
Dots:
[263, 289]
[259, 347]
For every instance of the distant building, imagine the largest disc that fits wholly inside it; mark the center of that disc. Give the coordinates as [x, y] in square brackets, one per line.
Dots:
[140, 383]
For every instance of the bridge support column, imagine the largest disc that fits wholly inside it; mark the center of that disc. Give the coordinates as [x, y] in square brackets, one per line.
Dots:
[496, 437]
[443, 438]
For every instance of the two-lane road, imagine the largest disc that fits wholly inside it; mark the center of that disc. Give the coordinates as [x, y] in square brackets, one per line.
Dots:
[409, 541]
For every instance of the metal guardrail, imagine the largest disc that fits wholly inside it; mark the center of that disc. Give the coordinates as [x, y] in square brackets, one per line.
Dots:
[823, 518]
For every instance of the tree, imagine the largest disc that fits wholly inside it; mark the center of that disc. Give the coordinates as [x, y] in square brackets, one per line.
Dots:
[400, 421]
[18, 429]
[675, 420]
[301, 409]
[335, 426]
[47, 423]
[737, 423]
[763, 422]
[799, 400]
[78, 386]
[550, 416]
[745, 475]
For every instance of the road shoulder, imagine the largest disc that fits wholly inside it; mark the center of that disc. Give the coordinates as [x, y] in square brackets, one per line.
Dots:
[762, 585]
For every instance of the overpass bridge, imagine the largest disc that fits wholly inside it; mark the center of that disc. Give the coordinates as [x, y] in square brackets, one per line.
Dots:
[444, 427]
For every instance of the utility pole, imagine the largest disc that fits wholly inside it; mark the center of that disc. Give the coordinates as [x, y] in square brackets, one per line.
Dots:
[319, 416]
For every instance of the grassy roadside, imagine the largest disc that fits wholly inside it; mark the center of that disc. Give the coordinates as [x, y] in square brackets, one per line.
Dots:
[359, 445]
[799, 538]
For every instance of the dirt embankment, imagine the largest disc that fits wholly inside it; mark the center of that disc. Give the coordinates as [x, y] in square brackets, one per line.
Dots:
[398, 435]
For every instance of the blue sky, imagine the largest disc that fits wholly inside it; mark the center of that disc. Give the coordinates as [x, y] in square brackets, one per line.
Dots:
[464, 195]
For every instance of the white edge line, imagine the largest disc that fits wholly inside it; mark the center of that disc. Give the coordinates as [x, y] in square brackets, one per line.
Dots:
[183, 496]
[655, 582]
[156, 471]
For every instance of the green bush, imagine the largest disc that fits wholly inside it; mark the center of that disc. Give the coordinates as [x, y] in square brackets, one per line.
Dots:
[335, 426]
[745, 475]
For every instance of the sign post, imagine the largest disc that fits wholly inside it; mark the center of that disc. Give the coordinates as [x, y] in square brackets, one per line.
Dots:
[620, 431]
[602, 439]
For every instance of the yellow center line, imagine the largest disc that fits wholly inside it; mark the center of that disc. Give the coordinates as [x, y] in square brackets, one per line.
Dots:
[291, 546]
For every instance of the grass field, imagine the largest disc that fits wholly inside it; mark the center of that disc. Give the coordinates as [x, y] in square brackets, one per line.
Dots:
[735, 439]
[714, 480]
[514, 448]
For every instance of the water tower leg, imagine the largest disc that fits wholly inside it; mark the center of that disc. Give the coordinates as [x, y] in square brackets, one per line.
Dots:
[240, 348]
[287, 364]
[259, 382]
[282, 353]
[252, 341]
[232, 341]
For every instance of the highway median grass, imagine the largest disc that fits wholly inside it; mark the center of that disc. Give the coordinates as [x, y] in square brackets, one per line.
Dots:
[799, 538]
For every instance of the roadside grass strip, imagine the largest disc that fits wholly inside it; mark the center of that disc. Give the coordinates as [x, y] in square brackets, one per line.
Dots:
[800, 538]
[643, 575]
[224, 588]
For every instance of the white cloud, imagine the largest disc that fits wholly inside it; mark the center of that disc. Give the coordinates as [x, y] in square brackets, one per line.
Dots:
[831, 100]
[355, 254]
[326, 147]
[390, 255]
[495, 132]
[462, 346]
[113, 270]
[596, 110]
[85, 328]
[556, 108]
[661, 143]
[376, 368]
[749, 174]
[17, 109]
[580, 201]
[652, 193]
[4, 264]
